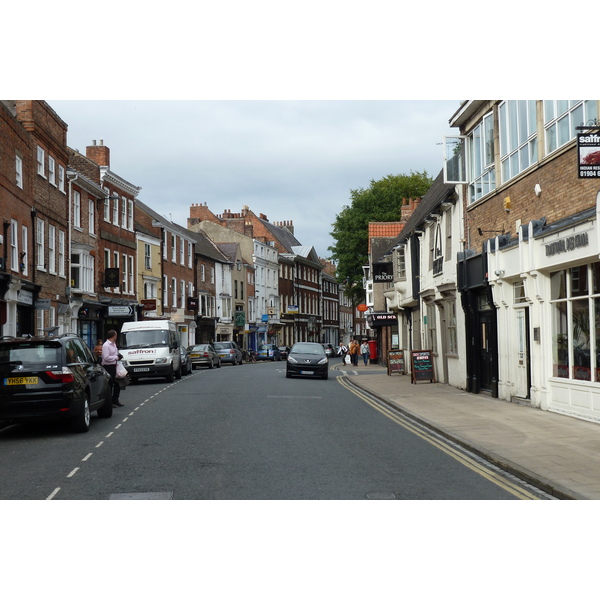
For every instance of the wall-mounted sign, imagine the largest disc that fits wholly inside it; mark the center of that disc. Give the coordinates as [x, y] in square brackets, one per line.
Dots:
[588, 153]
[42, 304]
[292, 309]
[383, 272]
[573, 242]
[120, 311]
[192, 303]
[381, 320]
[148, 303]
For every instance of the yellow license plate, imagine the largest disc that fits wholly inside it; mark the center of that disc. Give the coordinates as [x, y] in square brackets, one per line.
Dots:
[21, 381]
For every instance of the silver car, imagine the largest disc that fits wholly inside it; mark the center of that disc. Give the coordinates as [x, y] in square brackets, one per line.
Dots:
[204, 355]
[229, 352]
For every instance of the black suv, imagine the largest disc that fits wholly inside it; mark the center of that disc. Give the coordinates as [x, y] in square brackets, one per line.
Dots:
[52, 377]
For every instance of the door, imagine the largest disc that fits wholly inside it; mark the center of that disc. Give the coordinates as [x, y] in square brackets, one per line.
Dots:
[487, 355]
[522, 370]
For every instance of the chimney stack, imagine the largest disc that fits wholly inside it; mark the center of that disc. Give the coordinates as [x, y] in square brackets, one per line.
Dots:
[100, 153]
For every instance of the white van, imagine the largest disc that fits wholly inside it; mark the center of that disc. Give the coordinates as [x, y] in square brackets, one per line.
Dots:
[150, 349]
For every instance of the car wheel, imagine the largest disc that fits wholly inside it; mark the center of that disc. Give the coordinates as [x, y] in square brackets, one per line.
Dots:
[211, 365]
[219, 364]
[81, 423]
[106, 410]
[178, 372]
[170, 377]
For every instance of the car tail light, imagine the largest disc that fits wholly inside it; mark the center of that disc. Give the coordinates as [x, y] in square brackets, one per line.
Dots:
[64, 376]
[232, 352]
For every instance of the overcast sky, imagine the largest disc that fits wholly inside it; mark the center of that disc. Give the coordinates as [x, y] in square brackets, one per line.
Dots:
[290, 160]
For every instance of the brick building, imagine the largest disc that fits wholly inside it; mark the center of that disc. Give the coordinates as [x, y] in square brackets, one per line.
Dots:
[529, 274]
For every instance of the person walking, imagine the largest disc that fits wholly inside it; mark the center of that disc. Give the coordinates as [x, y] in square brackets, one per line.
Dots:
[110, 357]
[354, 350]
[342, 351]
[364, 350]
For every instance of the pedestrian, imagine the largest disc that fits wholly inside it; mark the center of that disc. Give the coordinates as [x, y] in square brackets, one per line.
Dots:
[98, 350]
[354, 350]
[110, 357]
[364, 350]
[342, 351]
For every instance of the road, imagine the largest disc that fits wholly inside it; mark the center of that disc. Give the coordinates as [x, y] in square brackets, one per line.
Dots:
[243, 432]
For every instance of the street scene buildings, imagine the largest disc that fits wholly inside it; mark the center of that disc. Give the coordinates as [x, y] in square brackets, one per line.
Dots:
[494, 271]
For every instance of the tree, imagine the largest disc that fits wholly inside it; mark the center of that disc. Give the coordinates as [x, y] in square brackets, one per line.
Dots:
[380, 202]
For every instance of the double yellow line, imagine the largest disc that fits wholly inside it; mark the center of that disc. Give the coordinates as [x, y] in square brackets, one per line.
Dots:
[472, 464]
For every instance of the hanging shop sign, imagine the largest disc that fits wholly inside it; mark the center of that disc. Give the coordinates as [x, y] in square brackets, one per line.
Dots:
[381, 320]
[588, 153]
[383, 272]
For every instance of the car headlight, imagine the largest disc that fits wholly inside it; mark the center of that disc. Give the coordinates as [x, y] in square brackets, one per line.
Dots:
[161, 361]
[322, 361]
[292, 360]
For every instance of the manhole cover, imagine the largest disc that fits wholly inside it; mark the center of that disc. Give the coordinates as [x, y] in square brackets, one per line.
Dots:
[143, 496]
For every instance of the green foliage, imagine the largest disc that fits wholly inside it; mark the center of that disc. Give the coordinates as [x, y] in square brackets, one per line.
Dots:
[380, 202]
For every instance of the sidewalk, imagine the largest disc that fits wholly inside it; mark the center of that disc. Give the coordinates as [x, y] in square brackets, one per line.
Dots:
[559, 454]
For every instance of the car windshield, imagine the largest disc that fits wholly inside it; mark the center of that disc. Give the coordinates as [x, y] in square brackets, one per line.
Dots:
[144, 339]
[221, 345]
[29, 353]
[264, 347]
[307, 349]
[200, 348]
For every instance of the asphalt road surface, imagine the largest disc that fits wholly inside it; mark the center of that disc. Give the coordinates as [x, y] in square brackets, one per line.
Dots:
[241, 432]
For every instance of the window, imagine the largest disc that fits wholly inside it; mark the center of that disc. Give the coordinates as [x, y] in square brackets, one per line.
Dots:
[130, 215]
[173, 249]
[202, 273]
[91, 216]
[212, 274]
[174, 292]
[480, 148]
[19, 171]
[561, 117]
[14, 245]
[40, 162]
[518, 136]
[165, 290]
[115, 217]
[147, 257]
[451, 327]
[61, 253]
[519, 292]
[107, 209]
[164, 243]
[575, 303]
[189, 244]
[51, 249]
[116, 262]
[52, 171]
[448, 250]
[181, 248]
[124, 213]
[131, 271]
[39, 244]
[182, 293]
[76, 209]
[24, 255]
[61, 178]
[82, 271]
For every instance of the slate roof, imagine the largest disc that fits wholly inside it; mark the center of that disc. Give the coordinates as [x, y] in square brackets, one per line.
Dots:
[284, 235]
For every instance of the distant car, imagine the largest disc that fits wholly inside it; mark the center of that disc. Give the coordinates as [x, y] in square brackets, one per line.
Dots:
[49, 377]
[268, 352]
[229, 352]
[329, 350]
[307, 359]
[186, 361]
[204, 354]
[284, 351]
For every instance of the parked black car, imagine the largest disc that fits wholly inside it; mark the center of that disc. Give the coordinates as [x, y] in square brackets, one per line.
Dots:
[51, 377]
[307, 359]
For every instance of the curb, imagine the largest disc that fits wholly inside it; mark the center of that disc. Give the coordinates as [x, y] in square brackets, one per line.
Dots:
[540, 482]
